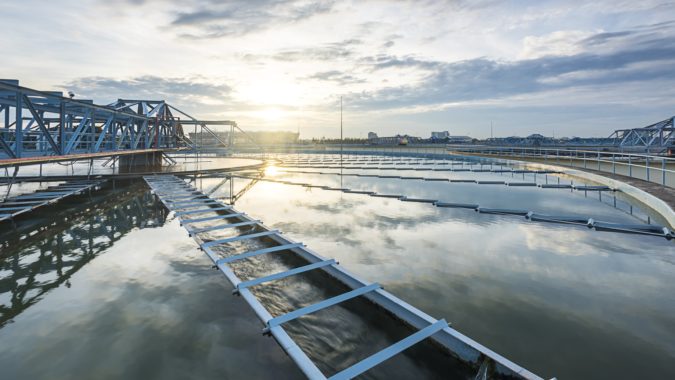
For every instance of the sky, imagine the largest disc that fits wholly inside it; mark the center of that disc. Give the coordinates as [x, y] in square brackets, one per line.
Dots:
[559, 68]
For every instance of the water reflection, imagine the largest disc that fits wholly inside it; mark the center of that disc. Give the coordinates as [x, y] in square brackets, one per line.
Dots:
[30, 267]
[544, 295]
[109, 288]
[342, 335]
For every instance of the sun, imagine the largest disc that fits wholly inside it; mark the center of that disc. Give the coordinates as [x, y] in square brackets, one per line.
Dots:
[271, 114]
[271, 170]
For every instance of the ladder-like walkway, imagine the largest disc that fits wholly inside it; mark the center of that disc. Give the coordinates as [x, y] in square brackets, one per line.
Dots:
[20, 204]
[185, 200]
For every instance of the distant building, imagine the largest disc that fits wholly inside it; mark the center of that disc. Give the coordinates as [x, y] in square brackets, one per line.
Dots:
[372, 136]
[440, 135]
[393, 140]
[536, 139]
[459, 140]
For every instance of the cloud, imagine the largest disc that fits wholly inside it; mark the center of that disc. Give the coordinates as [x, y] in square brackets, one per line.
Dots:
[406, 74]
[148, 87]
[235, 18]
[384, 61]
[599, 59]
[558, 43]
[326, 52]
[336, 76]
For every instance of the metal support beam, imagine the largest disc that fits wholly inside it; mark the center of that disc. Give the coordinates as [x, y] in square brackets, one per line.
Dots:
[201, 211]
[321, 305]
[245, 255]
[238, 238]
[282, 275]
[208, 218]
[222, 227]
[373, 360]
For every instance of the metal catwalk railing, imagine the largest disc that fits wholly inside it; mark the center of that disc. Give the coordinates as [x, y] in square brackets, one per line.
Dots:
[640, 229]
[185, 200]
[648, 167]
[20, 204]
[651, 168]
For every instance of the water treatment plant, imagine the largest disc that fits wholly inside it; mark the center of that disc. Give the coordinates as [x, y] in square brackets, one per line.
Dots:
[357, 261]
[303, 189]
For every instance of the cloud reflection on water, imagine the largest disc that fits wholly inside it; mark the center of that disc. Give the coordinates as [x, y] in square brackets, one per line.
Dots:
[574, 293]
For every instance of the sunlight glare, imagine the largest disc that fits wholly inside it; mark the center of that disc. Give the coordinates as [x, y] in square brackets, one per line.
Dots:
[271, 114]
[271, 170]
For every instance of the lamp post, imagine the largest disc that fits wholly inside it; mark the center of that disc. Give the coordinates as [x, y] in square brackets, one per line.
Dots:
[341, 140]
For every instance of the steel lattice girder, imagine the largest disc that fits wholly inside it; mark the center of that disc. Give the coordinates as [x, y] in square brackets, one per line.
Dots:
[661, 134]
[51, 124]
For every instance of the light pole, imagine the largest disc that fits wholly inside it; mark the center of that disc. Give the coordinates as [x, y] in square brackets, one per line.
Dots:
[341, 142]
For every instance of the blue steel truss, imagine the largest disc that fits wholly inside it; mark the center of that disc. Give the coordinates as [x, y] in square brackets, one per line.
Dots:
[45, 123]
[657, 135]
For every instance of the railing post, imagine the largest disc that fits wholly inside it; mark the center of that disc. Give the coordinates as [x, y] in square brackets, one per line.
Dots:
[613, 164]
[599, 161]
[647, 165]
[663, 171]
[630, 165]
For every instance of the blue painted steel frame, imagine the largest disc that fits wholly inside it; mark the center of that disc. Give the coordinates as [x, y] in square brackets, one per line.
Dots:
[45, 123]
[57, 125]
[321, 305]
[282, 275]
[245, 255]
[390, 351]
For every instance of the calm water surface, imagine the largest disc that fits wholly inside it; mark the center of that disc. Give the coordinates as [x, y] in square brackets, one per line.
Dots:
[122, 292]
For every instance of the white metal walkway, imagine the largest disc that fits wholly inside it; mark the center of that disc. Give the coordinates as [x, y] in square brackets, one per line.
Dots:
[20, 204]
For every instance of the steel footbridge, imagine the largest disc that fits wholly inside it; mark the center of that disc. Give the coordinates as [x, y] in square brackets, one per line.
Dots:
[46, 126]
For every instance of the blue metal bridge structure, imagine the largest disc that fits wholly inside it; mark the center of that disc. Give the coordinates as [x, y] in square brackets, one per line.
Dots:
[43, 126]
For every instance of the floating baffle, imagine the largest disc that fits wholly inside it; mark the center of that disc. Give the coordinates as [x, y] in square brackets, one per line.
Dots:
[560, 219]
[641, 229]
[501, 211]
